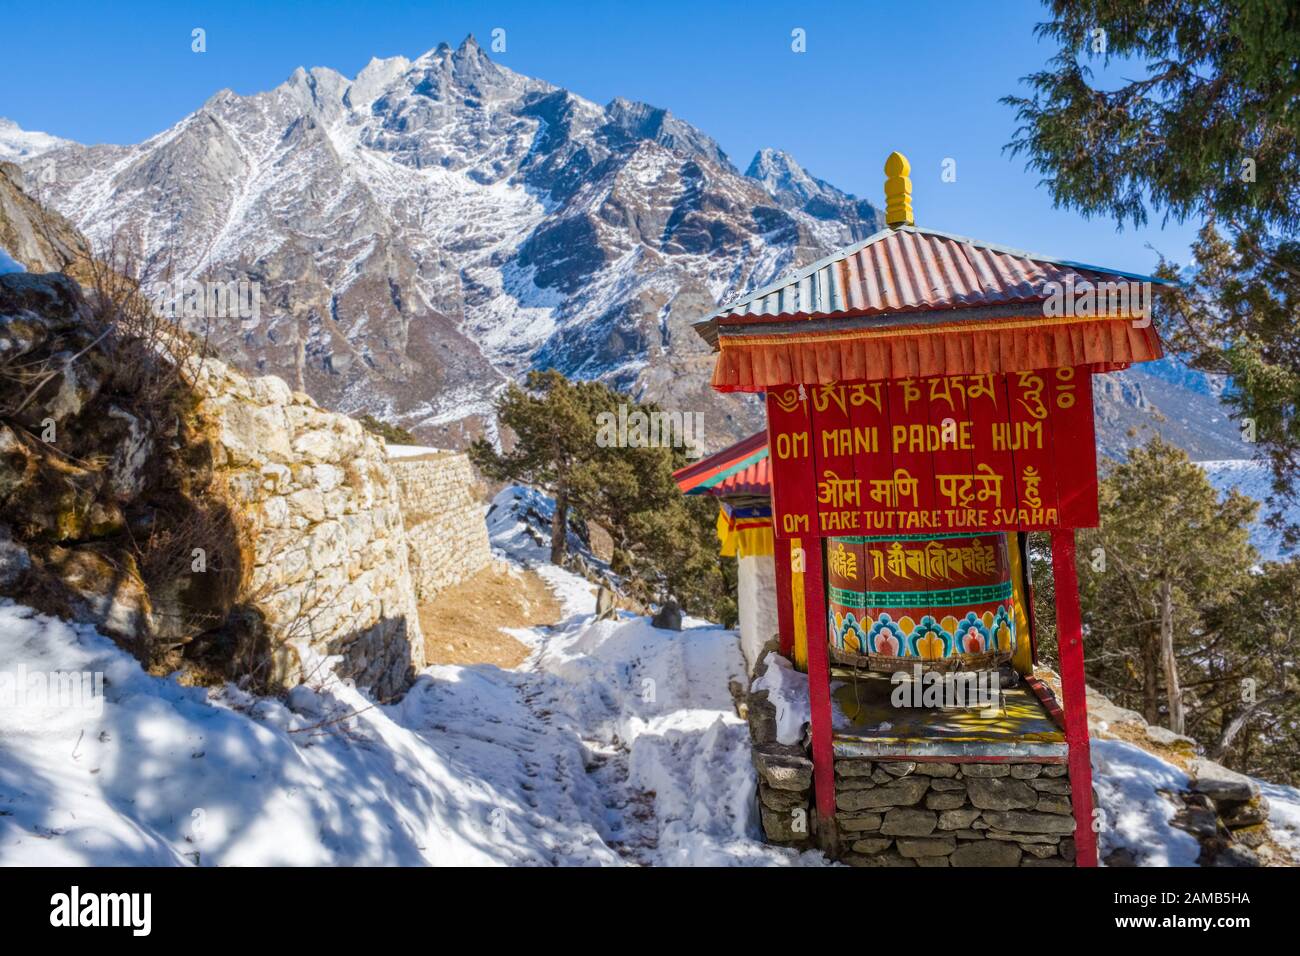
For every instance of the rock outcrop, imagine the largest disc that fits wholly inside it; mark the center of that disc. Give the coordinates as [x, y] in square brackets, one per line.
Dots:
[1224, 810]
[223, 526]
[41, 240]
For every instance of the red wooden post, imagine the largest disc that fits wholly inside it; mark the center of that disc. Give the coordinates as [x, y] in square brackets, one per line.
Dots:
[784, 603]
[1069, 634]
[819, 680]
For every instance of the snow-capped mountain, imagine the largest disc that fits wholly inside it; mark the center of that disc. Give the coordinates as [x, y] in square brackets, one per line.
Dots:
[18, 144]
[432, 228]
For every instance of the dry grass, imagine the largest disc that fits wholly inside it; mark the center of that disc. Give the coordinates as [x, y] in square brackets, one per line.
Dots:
[1180, 757]
[462, 625]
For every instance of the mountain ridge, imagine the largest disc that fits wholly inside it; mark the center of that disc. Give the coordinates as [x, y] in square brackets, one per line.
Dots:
[431, 229]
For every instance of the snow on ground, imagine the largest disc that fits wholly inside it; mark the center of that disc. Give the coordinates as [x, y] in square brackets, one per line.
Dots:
[1283, 815]
[519, 527]
[787, 690]
[411, 451]
[615, 743]
[1126, 779]
[17, 143]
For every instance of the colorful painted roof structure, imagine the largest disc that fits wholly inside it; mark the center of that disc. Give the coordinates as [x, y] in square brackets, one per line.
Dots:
[738, 471]
[740, 478]
[911, 302]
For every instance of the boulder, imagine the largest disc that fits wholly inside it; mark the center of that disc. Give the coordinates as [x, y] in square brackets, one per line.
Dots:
[783, 770]
[1219, 783]
[1245, 814]
[668, 617]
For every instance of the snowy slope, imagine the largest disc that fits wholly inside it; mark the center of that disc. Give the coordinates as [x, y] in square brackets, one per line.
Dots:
[616, 743]
[1126, 779]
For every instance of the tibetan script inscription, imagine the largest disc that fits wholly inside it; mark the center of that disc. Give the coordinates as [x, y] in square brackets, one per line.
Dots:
[964, 453]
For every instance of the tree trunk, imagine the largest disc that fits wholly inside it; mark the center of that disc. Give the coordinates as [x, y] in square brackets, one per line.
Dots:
[560, 526]
[1151, 677]
[1238, 724]
[1170, 665]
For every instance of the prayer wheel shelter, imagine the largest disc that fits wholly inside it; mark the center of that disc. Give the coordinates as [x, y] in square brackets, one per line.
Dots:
[929, 401]
[739, 478]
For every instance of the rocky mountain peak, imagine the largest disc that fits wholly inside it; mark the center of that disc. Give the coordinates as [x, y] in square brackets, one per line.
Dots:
[779, 173]
[641, 121]
[433, 228]
[18, 144]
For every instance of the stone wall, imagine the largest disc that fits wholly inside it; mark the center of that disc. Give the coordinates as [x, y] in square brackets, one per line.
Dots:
[906, 813]
[329, 558]
[446, 534]
[215, 525]
[901, 812]
[911, 813]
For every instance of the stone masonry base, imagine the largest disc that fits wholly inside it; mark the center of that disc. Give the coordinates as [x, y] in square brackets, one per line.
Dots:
[900, 812]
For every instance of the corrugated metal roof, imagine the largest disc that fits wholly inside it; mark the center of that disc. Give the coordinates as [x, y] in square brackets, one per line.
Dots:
[738, 470]
[909, 269]
[753, 479]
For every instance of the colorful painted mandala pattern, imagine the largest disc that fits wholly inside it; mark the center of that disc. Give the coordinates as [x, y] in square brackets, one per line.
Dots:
[924, 639]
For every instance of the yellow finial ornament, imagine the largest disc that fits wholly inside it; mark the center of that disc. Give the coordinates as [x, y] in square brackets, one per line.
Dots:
[898, 191]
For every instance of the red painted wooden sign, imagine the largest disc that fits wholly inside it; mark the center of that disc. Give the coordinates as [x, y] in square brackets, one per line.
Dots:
[963, 453]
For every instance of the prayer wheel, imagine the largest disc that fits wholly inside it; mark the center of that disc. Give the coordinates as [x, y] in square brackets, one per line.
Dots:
[945, 602]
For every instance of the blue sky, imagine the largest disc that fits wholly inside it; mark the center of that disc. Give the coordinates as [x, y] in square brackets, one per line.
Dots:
[923, 78]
